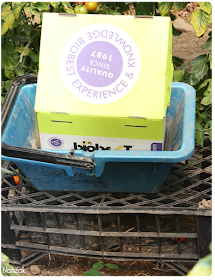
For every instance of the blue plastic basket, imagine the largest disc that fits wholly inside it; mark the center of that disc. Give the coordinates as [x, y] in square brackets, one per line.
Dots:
[104, 171]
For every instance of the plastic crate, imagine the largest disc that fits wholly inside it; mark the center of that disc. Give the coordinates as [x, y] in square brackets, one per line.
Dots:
[108, 171]
[116, 226]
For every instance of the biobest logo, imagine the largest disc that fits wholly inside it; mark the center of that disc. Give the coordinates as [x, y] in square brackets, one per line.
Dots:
[88, 147]
[100, 63]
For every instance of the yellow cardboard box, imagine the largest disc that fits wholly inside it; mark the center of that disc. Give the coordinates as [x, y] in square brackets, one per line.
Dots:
[104, 82]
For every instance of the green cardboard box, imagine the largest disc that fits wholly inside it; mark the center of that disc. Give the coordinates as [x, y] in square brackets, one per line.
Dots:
[104, 82]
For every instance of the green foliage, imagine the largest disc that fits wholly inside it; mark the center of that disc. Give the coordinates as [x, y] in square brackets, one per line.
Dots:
[200, 21]
[6, 268]
[114, 8]
[203, 267]
[178, 75]
[179, 5]
[4, 170]
[98, 266]
[199, 69]
[164, 8]
[20, 34]
[144, 8]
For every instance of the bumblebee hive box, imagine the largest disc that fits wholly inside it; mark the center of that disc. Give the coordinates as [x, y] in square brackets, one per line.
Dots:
[104, 82]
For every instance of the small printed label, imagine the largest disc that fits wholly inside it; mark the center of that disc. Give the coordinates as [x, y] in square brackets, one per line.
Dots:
[96, 143]
[156, 147]
[100, 63]
[55, 142]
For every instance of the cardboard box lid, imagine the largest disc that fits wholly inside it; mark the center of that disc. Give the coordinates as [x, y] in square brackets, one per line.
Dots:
[74, 76]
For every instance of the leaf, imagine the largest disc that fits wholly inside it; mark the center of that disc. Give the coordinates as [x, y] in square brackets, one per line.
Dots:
[9, 74]
[210, 58]
[54, 4]
[177, 61]
[204, 84]
[206, 7]
[199, 126]
[19, 38]
[113, 266]
[207, 100]
[41, 6]
[92, 272]
[122, 7]
[2, 99]
[14, 4]
[5, 259]
[67, 7]
[17, 10]
[98, 265]
[9, 49]
[8, 22]
[4, 170]
[179, 5]
[164, 8]
[34, 57]
[21, 49]
[9, 18]
[207, 44]
[203, 115]
[186, 78]
[4, 10]
[175, 32]
[210, 135]
[208, 124]
[200, 67]
[178, 75]
[200, 138]
[6, 60]
[144, 8]
[200, 20]
[201, 107]
[7, 84]
[4, 28]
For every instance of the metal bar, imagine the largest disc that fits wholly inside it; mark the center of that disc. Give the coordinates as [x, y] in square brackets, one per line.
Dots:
[56, 249]
[80, 218]
[178, 232]
[59, 226]
[62, 223]
[32, 257]
[119, 229]
[45, 227]
[138, 230]
[197, 240]
[176, 268]
[158, 234]
[101, 233]
[106, 210]
[9, 219]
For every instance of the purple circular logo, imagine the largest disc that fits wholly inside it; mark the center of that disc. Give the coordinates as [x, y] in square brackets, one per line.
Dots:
[55, 142]
[99, 64]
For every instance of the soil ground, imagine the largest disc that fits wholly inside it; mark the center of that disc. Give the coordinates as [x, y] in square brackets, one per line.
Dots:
[187, 46]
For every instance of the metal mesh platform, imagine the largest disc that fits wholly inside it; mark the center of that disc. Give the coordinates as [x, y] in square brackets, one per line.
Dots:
[122, 226]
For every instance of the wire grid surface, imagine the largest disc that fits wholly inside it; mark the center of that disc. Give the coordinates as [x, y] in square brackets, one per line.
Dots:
[187, 185]
[122, 226]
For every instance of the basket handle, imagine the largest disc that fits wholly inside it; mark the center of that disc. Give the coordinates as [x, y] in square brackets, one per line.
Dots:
[33, 154]
[49, 157]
